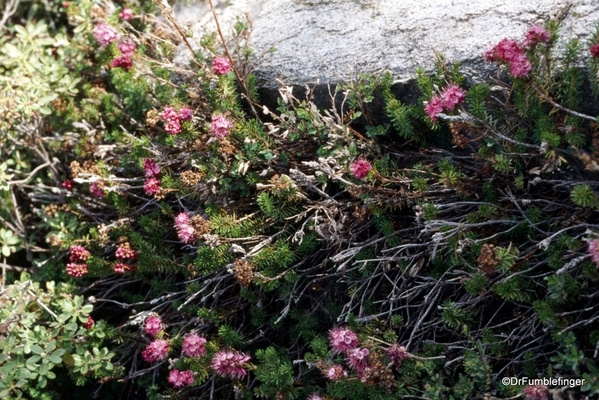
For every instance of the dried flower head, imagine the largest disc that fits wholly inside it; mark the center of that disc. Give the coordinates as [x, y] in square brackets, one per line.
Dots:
[194, 345]
[155, 351]
[244, 272]
[487, 259]
[180, 378]
[228, 363]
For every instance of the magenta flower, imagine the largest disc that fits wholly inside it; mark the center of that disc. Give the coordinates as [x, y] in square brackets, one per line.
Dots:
[358, 359]
[221, 66]
[434, 107]
[536, 34]
[155, 351]
[520, 66]
[181, 219]
[78, 254]
[397, 354]
[185, 114]
[126, 253]
[536, 392]
[227, 363]
[76, 270]
[194, 345]
[123, 61]
[94, 189]
[335, 372]
[342, 340]
[314, 396]
[152, 169]
[184, 229]
[126, 14]
[595, 50]
[68, 184]
[173, 127]
[220, 126]
[153, 325]
[105, 34]
[180, 378]
[360, 168]
[172, 119]
[152, 186]
[89, 323]
[127, 46]
[452, 96]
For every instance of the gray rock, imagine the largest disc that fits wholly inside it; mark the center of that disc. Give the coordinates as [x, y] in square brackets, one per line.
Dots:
[331, 40]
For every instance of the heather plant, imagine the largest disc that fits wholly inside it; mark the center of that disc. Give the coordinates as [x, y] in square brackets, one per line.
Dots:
[296, 252]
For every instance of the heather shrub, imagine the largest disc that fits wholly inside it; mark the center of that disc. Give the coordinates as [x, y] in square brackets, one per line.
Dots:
[228, 250]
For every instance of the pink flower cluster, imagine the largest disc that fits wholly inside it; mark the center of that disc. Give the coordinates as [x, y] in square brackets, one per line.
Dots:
[77, 266]
[125, 254]
[68, 184]
[314, 396]
[180, 378]
[449, 99]
[535, 392]
[358, 359]
[221, 65]
[173, 118]
[184, 229]
[343, 340]
[153, 325]
[194, 345]
[152, 183]
[360, 168]
[155, 351]
[89, 323]
[397, 354]
[227, 363]
[593, 251]
[127, 48]
[121, 268]
[126, 14]
[220, 126]
[105, 34]
[594, 50]
[512, 54]
[96, 190]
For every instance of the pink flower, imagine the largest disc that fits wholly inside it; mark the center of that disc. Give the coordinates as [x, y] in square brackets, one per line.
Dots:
[221, 66]
[173, 127]
[121, 268]
[126, 253]
[180, 378]
[184, 229]
[595, 50]
[185, 114]
[358, 359]
[536, 392]
[452, 96]
[314, 396]
[335, 372]
[89, 323]
[228, 363]
[127, 47]
[126, 14]
[151, 186]
[169, 114]
[181, 219]
[434, 107]
[194, 345]
[152, 169]
[123, 61]
[68, 184]
[360, 168]
[76, 270]
[520, 66]
[397, 354]
[342, 340]
[594, 251]
[536, 34]
[153, 325]
[78, 254]
[220, 126]
[105, 34]
[155, 351]
[96, 191]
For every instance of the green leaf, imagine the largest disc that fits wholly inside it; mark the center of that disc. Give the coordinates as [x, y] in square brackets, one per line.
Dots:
[36, 349]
